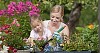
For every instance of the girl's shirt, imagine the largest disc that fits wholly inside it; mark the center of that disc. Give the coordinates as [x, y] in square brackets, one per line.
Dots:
[45, 36]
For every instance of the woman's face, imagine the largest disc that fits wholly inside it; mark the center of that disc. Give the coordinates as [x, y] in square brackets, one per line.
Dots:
[55, 18]
[38, 28]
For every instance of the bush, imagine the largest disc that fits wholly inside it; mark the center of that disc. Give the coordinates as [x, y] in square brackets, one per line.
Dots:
[15, 23]
[85, 38]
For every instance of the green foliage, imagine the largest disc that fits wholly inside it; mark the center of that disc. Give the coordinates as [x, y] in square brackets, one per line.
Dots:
[89, 10]
[85, 38]
[25, 28]
[39, 43]
[13, 38]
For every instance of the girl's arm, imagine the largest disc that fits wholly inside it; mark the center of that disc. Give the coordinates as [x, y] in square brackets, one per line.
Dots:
[49, 37]
[30, 41]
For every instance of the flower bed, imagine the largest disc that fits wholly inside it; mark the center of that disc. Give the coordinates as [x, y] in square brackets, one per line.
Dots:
[15, 24]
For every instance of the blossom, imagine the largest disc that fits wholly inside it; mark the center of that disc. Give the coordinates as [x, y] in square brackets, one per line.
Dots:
[6, 31]
[14, 50]
[4, 27]
[91, 26]
[10, 26]
[32, 13]
[11, 8]
[20, 7]
[15, 22]
[2, 12]
[29, 3]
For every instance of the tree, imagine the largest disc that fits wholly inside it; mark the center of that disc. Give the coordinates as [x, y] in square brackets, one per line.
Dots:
[74, 16]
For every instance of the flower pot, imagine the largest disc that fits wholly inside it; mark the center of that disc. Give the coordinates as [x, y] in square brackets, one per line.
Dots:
[65, 52]
[23, 51]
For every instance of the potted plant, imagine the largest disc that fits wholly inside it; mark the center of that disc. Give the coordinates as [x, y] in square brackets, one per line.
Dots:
[84, 39]
[15, 24]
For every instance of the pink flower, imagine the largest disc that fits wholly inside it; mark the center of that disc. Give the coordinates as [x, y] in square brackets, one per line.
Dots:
[3, 27]
[13, 3]
[11, 48]
[6, 31]
[7, 26]
[14, 50]
[2, 12]
[10, 11]
[14, 21]
[21, 7]
[0, 29]
[29, 3]
[17, 23]
[33, 13]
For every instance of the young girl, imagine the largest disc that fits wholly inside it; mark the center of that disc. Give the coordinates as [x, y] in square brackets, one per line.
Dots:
[38, 31]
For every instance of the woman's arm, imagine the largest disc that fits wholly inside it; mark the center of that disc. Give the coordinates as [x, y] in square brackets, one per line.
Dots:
[65, 32]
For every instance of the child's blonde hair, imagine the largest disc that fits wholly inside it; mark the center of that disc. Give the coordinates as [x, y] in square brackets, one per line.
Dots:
[35, 20]
[58, 9]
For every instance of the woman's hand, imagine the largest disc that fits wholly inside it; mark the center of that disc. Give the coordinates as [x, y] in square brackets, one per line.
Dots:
[65, 32]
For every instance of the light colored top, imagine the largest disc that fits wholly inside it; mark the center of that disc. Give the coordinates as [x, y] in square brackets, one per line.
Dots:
[64, 32]
[45, 36]
[47, 22]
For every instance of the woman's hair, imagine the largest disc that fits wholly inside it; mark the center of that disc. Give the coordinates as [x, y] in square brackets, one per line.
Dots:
[35, 20]
[58, 9]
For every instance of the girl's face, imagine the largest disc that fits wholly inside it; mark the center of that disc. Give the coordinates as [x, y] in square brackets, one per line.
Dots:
[55, 18]
[38, 27]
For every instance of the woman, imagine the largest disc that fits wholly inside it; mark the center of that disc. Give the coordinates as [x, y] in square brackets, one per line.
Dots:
[56, 21]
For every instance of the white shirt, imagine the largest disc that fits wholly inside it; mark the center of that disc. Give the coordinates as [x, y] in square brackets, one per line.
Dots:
[46, 23]
[46, 34]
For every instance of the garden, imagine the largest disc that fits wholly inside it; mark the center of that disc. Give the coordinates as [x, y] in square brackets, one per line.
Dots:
[15, 23]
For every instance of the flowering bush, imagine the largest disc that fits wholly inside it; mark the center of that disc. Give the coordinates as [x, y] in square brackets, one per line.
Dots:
[14, 23]
[38, 45]
[85, 38]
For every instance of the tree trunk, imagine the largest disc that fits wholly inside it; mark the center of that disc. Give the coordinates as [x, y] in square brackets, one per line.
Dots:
[74, 17]
[99, 22]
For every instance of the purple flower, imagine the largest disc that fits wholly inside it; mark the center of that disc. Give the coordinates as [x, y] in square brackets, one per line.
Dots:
[13, 3]
[11, 8]
[21, 7]
[10, 12]
[33, 13]
[29, 3]
[2, 12]
[0, 29]
[34, 8]
[21, 3]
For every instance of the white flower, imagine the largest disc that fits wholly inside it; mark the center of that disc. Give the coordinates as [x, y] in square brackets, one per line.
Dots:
[0, 32]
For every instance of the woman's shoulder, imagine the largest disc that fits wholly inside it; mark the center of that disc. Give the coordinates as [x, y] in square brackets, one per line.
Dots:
[63, 24]
[45, 23]
[47, 30]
